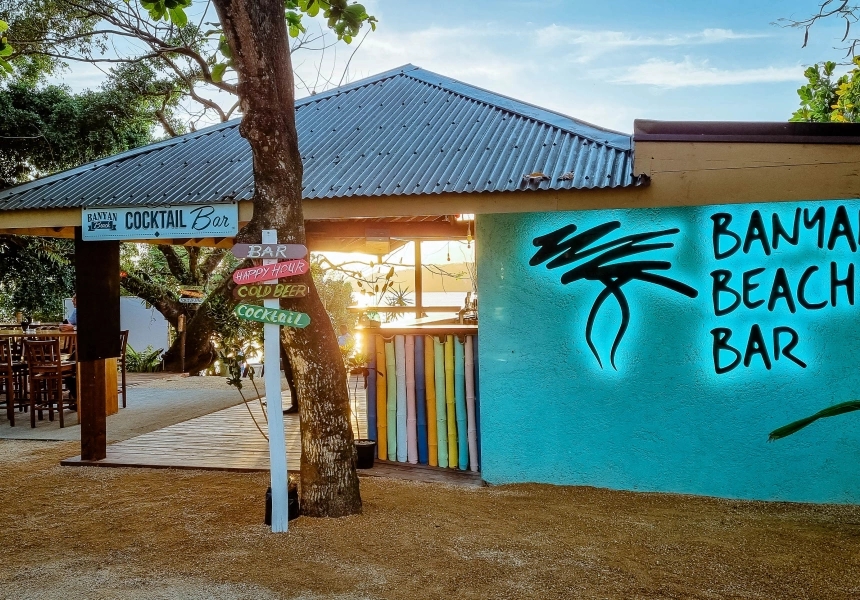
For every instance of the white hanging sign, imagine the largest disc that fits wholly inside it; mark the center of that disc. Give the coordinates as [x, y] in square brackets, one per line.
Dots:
[166, 222]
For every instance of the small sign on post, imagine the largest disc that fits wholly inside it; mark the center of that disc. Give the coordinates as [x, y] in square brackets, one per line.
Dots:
[266, 291]
[271, 271]
[276, 251]
[275, 316]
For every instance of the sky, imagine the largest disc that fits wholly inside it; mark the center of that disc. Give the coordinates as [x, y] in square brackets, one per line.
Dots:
[606, 63]
[609, 63]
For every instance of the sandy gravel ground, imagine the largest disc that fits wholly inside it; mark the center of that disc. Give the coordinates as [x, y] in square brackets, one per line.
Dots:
[136, 533]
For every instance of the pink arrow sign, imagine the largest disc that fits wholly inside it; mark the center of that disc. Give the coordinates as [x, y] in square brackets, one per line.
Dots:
[276, 271]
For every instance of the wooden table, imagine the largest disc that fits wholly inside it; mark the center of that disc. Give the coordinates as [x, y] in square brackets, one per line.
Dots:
[111, 388]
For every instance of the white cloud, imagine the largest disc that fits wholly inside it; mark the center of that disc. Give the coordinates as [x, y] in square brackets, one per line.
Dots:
[671, 74]
[554, 35]
[591, 44]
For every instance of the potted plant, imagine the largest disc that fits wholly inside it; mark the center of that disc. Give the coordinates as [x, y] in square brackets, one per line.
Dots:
[365, 449]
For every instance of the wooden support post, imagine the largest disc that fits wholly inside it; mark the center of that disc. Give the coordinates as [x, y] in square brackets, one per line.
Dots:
[181, 327]
[93, 400]
[97, 290]
[419, 281]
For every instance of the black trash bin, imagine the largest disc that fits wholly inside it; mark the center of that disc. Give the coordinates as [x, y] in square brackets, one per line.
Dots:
[292, 505]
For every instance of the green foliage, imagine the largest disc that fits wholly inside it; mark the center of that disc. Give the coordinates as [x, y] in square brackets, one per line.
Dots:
[36, 274]
[827, 99]
[5, 50]
[832, 411]
[145, 361]
[69, 25]
[397, 297]
[162, 9]
[344, 19]
[47, 129]
[336, 295]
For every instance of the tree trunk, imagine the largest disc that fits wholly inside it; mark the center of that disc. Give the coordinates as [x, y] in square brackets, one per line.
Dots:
[257, 35]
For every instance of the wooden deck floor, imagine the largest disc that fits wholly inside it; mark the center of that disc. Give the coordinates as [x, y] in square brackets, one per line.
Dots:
[228, 440]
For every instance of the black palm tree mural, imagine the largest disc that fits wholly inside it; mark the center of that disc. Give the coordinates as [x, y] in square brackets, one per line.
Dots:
[604, 268]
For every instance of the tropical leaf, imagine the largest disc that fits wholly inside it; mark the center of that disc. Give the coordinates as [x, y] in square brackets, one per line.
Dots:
[832, 411]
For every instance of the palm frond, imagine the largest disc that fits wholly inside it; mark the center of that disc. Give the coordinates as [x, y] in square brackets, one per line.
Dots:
[832, 411]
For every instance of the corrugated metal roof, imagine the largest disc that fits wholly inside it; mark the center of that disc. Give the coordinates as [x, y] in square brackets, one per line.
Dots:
[405, 132]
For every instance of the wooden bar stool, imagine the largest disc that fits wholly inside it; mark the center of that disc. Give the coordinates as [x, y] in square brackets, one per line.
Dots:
[8, 379]
[45, 378]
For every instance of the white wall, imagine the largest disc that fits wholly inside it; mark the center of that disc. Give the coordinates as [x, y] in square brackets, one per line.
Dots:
[146, 326]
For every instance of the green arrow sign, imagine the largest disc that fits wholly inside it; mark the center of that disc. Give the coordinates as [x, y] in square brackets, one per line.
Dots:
[275, 316]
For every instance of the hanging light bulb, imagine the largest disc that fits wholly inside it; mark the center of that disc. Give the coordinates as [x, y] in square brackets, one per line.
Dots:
[469, 235]
[448, 247]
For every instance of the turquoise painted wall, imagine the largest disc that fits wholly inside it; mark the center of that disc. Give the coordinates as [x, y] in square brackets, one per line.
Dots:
[664, 420]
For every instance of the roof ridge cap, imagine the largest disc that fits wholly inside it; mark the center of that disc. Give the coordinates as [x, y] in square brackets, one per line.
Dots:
[342, 89]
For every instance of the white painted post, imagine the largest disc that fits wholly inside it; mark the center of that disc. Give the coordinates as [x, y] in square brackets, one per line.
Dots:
[277, 446]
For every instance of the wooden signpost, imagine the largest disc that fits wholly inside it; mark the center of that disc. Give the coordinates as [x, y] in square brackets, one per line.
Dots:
[271, 271]
[273, 318]
[265, 291]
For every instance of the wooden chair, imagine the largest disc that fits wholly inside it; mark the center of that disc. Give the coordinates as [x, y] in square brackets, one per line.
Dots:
[69, 351]
[45, 378]
[8, 379]
[123, 344]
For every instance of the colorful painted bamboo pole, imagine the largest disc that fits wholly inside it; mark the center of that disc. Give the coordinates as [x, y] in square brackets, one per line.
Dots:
[450, 402]
[429, 380]
[441, 412]
[391, 399]
[381, 405]
[400, 364]
[477, 397]
[460, 405]
[470, 403]
[370, 345]
[411, 409]
[420, 399]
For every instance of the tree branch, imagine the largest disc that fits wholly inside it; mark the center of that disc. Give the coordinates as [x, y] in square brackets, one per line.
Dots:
[174, 263]
[156, 295]
[211, 262]
[193, 263]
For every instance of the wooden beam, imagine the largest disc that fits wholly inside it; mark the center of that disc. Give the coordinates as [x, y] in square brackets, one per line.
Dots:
[419, 279]
[409, 309]
[428, 230]
[54, 232]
